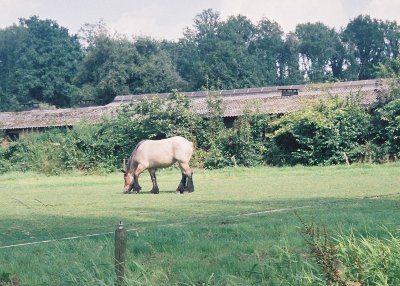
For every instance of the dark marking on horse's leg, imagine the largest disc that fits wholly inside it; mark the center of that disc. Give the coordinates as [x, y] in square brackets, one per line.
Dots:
[187, 180]
[136, 186]
[189, 184]
[155, 189]
[181, 186]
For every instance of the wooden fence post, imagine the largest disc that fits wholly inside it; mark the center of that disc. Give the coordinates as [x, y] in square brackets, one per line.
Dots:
[121, 237]
[346, 159]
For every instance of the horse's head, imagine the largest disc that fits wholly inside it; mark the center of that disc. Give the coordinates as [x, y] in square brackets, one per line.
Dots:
[128, 178]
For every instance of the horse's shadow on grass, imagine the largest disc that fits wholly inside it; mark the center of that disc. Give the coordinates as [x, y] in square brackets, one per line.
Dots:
[149, 193]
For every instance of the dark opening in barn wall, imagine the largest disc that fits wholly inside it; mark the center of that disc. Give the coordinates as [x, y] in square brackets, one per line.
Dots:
[289, 91]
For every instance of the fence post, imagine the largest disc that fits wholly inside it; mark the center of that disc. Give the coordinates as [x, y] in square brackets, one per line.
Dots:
[121, 237]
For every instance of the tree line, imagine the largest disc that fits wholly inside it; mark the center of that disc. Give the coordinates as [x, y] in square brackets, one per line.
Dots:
[40, 61]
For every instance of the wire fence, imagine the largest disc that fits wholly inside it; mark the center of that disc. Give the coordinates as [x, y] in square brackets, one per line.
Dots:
[171, 224]
[144, 228]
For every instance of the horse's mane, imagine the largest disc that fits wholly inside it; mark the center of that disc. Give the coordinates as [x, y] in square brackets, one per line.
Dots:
[131, 164]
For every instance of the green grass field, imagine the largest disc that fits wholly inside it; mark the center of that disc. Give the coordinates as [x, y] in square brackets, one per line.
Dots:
[203, 238]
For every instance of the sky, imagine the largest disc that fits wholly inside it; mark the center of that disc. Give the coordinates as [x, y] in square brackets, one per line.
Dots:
[167, 19]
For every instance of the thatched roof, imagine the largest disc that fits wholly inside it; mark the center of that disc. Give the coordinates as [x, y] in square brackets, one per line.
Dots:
[53, 118]
[268, 100]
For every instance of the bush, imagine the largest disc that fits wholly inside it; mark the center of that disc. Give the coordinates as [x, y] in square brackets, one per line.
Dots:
[215, 158]
[87, 148]
[5, 165]
[389, 132]
[325, 133]
[245, 147]
[152, 118]
[39, 152]
[335, 131]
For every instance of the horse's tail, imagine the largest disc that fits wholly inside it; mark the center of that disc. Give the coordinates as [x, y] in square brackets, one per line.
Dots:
[192, 141]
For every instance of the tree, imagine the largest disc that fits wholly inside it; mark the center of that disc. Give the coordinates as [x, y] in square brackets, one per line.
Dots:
[266, 51]
[366, 40]
[197, 51]
[317, 47]
[48, 60]
[340, 58]
[113, 66]
[108, 65]
[289, 72]
[220, 54]
[156, 71]
[231, 64]
[41, 60]
[391, 34]
[10, 38]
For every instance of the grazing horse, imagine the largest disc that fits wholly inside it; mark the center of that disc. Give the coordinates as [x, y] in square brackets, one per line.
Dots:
[153, 154]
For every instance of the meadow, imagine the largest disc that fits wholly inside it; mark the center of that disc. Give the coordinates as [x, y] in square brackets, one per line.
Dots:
[239, 227]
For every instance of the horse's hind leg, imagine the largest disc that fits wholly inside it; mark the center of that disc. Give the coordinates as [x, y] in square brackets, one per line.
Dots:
[187, 180]
[155, 189]
[189, 184]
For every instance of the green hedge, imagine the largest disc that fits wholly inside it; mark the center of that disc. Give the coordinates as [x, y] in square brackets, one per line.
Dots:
[334, 131]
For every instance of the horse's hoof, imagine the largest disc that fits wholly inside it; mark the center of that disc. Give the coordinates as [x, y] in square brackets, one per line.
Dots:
[187, 190]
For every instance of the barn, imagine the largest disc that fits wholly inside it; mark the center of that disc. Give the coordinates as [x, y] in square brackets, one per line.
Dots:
[270, 100]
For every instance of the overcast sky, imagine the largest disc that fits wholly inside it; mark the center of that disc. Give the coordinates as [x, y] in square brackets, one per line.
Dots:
[166, 19]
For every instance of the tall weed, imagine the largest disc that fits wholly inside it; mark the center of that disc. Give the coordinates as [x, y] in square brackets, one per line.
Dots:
[351, 260]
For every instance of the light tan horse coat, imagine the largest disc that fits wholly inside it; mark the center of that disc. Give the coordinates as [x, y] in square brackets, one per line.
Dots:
[153, 154]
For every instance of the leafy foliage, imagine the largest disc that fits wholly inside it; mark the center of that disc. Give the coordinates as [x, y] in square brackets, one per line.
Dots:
[324, 133]
[106, 68]
[370, 42]
[320, 47]
[114, 66]
[389, 117]
[40, 59]
[333, 131]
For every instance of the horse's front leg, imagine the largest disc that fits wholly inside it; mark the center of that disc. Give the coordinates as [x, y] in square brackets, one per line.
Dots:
[155, 189]
[136, 186]
[136, 173]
